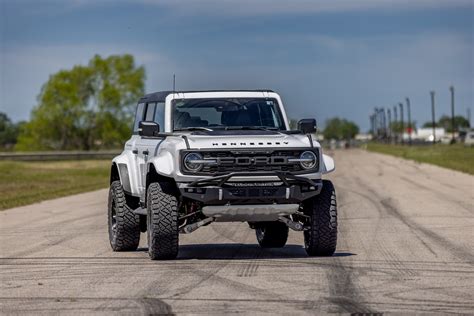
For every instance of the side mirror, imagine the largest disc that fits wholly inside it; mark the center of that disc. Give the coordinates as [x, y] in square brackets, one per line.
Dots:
[307, 126]
[148, 128]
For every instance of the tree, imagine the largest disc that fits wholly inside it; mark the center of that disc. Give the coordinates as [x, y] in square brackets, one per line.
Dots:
[397, 126]
[86, 107]
[340, 129]
[459, 122]
[429, 124]
[8, 131]
[446, 123]
[293, 124]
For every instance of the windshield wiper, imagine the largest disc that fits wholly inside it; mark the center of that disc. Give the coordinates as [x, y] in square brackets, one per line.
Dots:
[196, 128]
[256, 128]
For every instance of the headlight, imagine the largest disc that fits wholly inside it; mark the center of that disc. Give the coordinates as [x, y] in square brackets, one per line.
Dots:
[193, 162]
[308, 160]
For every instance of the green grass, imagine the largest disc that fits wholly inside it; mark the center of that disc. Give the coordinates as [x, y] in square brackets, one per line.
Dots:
[23, 183]
[456, 157]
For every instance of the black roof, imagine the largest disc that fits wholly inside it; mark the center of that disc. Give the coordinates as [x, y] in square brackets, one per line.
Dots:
[161, 95]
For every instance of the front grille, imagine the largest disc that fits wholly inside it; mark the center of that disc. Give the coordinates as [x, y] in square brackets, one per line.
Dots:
[250, 161]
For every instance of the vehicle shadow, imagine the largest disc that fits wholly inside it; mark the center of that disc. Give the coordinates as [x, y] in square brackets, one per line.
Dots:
[221, 251]
[228, 251]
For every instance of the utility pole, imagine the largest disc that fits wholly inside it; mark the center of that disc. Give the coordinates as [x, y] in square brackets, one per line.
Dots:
[389, 114]
[401, 118]
[409, 121]
[384, 124]
[381, 122]
[374, 119]
[433, 115]
[376, 133]
[377, 122]
[453, 124]
[372, 124]
[469, 116]
[395, 123]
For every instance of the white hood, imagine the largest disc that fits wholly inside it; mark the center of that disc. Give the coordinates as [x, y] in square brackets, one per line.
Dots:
[249, 141]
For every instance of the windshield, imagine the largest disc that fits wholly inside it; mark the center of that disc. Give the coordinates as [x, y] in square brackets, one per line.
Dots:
[229, 113]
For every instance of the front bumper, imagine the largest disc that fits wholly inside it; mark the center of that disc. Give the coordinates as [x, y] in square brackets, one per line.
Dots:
[220, 190]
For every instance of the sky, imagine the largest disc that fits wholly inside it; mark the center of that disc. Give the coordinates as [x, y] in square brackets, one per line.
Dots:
[325, 58]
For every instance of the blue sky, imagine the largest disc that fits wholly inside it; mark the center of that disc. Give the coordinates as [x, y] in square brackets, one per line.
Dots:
[326, 58]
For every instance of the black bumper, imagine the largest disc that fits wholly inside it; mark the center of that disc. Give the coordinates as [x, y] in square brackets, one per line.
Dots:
[218, 191]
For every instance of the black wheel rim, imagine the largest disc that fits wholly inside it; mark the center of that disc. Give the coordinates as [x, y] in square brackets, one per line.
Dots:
[260, 232]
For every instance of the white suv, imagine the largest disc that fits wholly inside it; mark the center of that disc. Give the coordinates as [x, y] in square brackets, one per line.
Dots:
[196, 157]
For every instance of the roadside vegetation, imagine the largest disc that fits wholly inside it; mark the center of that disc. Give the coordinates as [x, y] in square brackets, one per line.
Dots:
[86, 107]
[23, 183]
[457, 157]
[340, 129]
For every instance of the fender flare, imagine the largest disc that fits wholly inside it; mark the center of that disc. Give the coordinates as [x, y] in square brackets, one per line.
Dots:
[164, 164]
[328, 164]
[124, 168]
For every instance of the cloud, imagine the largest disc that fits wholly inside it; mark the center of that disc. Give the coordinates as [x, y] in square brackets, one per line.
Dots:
[268, 7]
[25, 68]
[356, 75]
[256, 7]
[360, 74]
[380, 72]
[345, 76]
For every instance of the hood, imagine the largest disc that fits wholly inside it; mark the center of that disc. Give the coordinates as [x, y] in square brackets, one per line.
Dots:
[277, 140]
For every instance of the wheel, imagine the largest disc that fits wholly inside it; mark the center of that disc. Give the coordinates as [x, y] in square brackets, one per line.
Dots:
[321, 237]
[162, 223]
[271, 234]
[124, 225]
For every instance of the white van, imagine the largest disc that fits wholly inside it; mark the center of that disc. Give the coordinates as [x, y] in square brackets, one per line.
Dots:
[469, 140]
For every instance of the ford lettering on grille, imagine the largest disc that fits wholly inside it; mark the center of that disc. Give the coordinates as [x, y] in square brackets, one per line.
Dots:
[249, 161]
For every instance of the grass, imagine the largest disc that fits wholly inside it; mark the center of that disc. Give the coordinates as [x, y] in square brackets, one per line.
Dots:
[23, 183]
[456, 157]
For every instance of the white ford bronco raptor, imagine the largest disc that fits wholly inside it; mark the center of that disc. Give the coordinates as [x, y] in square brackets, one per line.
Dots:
[196, 157]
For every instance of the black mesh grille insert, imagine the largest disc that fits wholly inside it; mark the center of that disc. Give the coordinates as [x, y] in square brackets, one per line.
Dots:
[241, 161]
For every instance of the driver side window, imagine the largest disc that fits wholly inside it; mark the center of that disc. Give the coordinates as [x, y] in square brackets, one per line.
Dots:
[138, 116]
[150, 112]
[159, 116]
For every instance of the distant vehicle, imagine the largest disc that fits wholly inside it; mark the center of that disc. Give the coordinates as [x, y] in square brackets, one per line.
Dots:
[363, 137]
[446, 140]
[426, 134]
[202, 156]
[469, 139]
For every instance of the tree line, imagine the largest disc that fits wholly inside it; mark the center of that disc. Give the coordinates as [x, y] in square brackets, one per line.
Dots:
[446, 122]
[83, 108]
[335, 128]
[9, 131]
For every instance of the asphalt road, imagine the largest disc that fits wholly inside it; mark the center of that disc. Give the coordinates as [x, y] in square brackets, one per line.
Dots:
[405, 245]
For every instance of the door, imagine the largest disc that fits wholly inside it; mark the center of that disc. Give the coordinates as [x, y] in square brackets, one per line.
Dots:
[147, 147]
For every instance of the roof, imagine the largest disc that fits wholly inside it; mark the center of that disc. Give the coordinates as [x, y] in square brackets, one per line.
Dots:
[161, 95]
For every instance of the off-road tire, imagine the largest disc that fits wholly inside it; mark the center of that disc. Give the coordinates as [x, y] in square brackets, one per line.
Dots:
[162, 223]
[124, 225]
[321, 237]
[272, 234]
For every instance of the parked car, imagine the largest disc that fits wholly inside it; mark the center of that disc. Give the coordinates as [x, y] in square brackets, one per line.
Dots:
[469, 139]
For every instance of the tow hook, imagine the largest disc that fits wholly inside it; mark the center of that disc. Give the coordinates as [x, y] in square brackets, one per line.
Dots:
[291, 224]
[188, 229]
